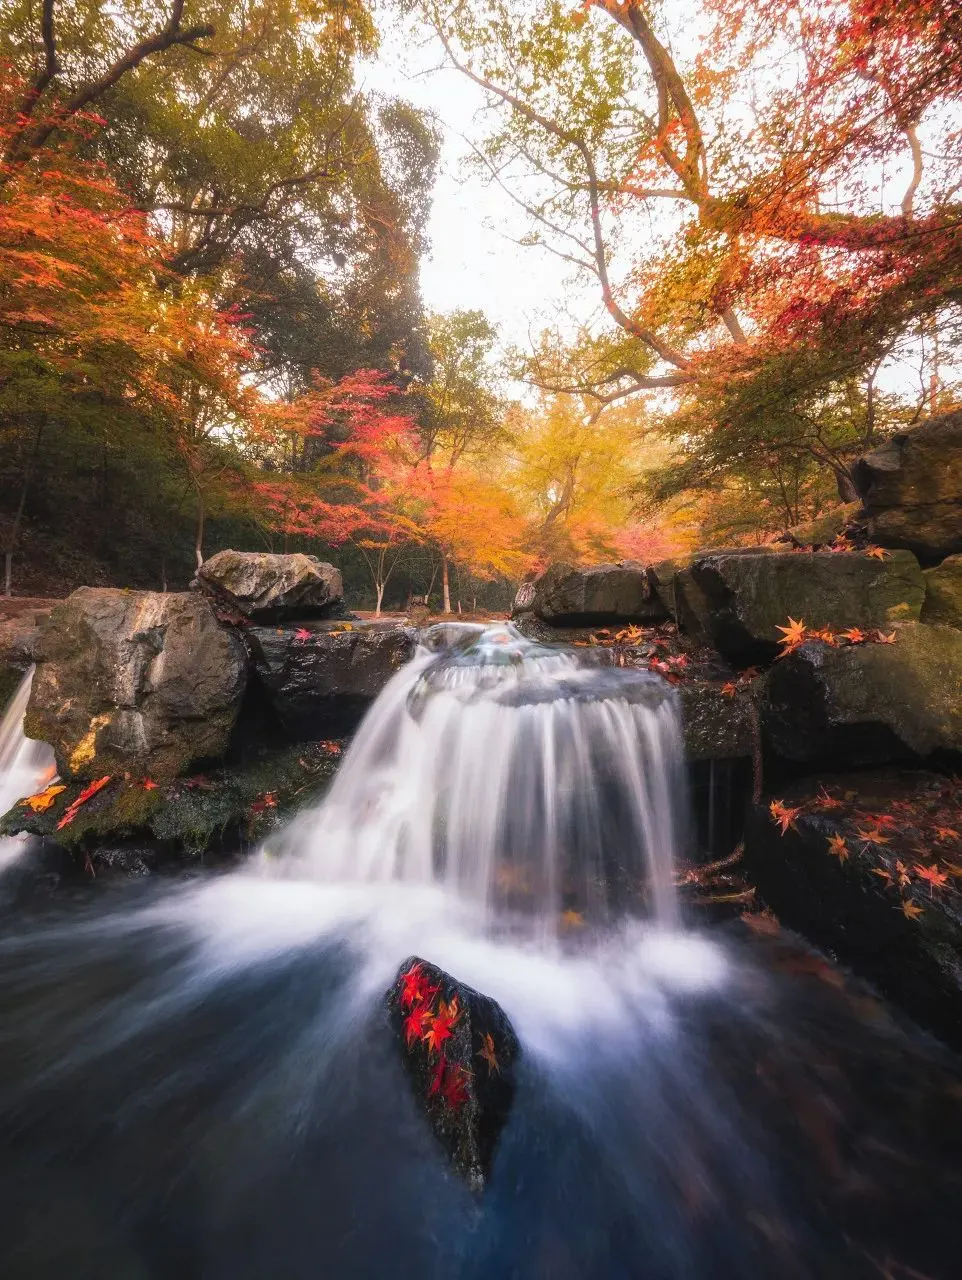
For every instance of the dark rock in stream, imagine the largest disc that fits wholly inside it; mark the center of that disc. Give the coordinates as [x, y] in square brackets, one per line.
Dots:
[459, 1052]
[320, 680]
[869, 867]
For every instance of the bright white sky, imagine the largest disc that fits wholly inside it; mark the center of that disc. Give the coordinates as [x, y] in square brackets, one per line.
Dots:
[473, 261]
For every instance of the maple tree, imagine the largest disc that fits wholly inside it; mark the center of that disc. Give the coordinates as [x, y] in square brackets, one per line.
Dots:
[714, 175]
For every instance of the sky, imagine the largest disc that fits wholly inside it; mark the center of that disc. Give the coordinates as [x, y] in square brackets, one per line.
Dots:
[474, 262]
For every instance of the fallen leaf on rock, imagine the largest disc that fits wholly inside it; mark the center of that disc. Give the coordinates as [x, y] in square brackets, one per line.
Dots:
[488, 1054]
[911, 911]
[935, 878]
[783, 816]
[302, 634]
[149, 784]
[838, 848]
[854, 635]
[876, 553]
[42, 801]
[81, 800]
[792, 636]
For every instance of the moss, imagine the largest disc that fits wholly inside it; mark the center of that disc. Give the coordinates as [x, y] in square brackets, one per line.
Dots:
[190, 814]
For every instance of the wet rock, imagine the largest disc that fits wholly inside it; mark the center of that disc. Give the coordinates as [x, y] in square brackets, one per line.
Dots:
[321, 680]
[268, 587]
[459, 1052]
[135, 681]
[943, 593]
[867, 703]
[571, 597]
[850, 873]
[911, 488]
[716, 725]
[736, 601]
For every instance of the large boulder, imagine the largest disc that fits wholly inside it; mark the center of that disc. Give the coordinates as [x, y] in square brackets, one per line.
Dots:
[135, 681]
[459, 1051]
[566, 596]
[321, 679]
[911, 488]
[943, 593]
[867, 703]
[736, 601]
[871, 875]
[266, 586]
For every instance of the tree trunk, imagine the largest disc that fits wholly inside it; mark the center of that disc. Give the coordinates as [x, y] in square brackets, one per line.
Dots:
[379, 589]
[445, 584]
[18, 518]
[201, 518]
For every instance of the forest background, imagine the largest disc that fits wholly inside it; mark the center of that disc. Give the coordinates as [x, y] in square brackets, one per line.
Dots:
[211, 324]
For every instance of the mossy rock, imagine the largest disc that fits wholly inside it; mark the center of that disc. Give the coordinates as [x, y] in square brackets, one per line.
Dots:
[943, 593]
[236, 806]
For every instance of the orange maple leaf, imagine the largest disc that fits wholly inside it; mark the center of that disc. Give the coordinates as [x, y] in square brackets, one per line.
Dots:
[946, 833]
[874, 836]
[935, 878]
[911, 911]
[881, 637]
[854, 635]
[904, 877]
[42, 801]
[792, 636]
[885, 875]
[149, 784]
[838, 847]
[876, 553]
[488, 1054]
[729, 689]
[824, 800]
[783, 816]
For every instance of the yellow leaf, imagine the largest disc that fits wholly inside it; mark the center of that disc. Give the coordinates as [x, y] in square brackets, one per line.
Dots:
[42, 801]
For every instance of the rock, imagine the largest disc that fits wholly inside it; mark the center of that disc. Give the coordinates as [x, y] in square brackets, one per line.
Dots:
[911, 488]
[943, 593]
[824, 529]
[135, 681]
[716, 726]
[595, 595]
[894, 928]
[736, 601]
[867, 703]
[321, 680]
[269, 587]
[459, 1052]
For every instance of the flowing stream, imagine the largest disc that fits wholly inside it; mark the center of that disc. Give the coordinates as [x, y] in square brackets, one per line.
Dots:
[199, 1081]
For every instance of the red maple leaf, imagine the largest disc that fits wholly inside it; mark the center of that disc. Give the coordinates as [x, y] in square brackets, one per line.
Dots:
[854, 635]
[82, 799]
[437, 1033]
[455, 1087]
[936, 879]
[782, 815]
[437, 1077]
[414, 987]
[415, 1023]
[149, 784]
[302, 634]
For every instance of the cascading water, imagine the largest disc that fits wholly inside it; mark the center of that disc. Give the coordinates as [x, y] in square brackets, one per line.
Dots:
[24, 765]
[515, 775]
[202, 1082]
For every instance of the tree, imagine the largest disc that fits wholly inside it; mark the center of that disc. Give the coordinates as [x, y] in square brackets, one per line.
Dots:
[88, 341]
[717, 176]
[346, 464]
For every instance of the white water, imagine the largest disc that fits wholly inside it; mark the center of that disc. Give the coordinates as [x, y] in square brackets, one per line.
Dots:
[24, 766]
[526, 782]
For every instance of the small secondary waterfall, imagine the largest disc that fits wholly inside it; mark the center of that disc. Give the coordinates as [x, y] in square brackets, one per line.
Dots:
[531, 781]
[24, 764]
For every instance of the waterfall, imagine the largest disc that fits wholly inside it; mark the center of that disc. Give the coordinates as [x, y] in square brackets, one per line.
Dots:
[534, 783]
[24, 764]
